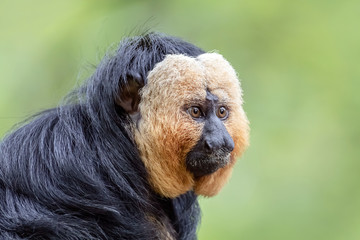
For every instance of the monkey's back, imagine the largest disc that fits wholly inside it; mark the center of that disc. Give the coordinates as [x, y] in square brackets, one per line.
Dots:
[62, 177]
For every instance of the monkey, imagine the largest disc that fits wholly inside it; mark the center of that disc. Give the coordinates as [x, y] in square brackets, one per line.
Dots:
[159, 123]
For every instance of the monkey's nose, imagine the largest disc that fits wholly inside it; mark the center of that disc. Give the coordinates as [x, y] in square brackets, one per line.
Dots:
[216, 142]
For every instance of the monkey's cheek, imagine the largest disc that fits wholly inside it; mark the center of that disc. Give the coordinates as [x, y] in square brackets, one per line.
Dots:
[211, 184]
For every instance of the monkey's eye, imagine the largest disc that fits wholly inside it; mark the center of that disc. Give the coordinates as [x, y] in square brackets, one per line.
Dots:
[195, 112]
[222, 113]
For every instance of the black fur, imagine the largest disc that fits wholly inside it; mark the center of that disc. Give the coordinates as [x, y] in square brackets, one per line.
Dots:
[73, 172]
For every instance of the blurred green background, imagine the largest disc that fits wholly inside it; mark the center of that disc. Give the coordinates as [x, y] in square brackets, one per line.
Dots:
[299, 65]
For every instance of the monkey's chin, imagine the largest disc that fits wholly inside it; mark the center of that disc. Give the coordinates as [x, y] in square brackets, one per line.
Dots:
[204, 164]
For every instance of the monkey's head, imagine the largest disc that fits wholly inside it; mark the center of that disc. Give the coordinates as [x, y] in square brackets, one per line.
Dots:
[189, 124]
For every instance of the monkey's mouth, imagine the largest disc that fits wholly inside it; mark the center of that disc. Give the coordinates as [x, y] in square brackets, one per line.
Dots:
[201, 164]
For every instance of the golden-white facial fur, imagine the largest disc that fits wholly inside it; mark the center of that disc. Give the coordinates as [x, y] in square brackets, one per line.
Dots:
[165, 132]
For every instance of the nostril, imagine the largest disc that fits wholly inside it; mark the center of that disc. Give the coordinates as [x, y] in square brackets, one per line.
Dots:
[208, 145]
[229, 144]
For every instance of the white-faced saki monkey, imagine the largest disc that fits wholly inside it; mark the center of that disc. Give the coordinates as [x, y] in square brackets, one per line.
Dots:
[127, 153]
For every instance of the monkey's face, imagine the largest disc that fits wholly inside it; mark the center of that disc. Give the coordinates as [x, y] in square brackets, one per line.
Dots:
[213, 149]
[192, 125]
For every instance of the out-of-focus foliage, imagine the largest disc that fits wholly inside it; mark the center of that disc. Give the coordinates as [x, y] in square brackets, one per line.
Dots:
[299, 62]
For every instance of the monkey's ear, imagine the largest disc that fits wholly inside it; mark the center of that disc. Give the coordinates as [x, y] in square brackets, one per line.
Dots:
[128, 96]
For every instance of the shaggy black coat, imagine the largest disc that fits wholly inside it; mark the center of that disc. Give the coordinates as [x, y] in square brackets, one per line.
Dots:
[74, 172]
